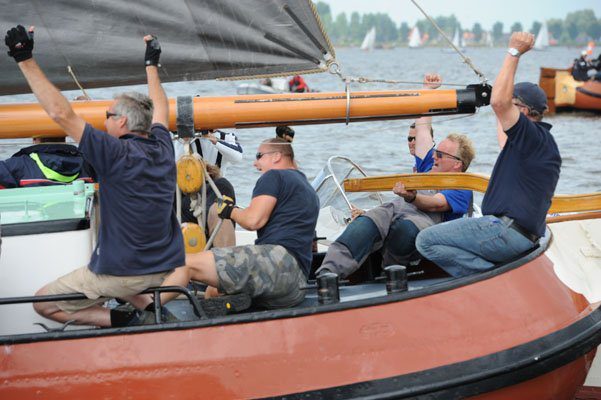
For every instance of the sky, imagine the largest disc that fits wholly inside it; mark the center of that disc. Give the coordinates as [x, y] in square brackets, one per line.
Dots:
[468, 12]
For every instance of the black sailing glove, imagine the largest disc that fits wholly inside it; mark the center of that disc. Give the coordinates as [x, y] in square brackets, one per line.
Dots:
[225, 207]
[153, 52]
[19, 43]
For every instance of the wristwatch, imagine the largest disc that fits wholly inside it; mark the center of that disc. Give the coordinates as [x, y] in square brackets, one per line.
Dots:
[513, 52]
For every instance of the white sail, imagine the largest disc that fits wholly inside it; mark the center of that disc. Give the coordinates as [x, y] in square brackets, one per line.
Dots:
[370, 40]
[488, 40]
[415, 39]
[458, 40]
[542, 39]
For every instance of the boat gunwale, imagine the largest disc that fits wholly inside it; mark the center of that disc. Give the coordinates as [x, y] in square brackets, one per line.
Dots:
[261, 316]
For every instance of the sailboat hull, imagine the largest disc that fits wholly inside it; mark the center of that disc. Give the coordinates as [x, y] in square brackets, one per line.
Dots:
[566, 93]
[536, 340]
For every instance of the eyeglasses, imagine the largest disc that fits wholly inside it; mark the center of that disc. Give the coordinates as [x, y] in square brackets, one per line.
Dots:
[410, 138]
[259, 155]
[440, 154]
[111, 114]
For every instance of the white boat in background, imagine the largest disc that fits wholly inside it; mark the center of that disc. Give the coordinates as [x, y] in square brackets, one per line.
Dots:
[370, 40]
[415, 38]
[542, 39]
[458, 40]
[275, 85]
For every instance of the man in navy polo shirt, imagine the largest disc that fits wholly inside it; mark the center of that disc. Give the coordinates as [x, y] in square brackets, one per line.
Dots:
[521, 186]
[139, 241]
[283, 211]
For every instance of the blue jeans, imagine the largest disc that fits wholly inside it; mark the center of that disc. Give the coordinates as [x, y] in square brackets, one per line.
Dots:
[469, 245]
[362, 236]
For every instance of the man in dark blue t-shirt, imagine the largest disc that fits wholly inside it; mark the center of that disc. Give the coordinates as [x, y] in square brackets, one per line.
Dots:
[521, 186]
[139, 241]
[283, 211]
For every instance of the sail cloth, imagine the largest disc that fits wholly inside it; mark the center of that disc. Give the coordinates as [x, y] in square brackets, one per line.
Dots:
[201, 39]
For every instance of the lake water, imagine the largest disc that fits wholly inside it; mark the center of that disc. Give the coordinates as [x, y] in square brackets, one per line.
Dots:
[381, 147]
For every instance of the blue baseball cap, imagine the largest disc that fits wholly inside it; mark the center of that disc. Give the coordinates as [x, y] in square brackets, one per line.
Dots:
[531, 95]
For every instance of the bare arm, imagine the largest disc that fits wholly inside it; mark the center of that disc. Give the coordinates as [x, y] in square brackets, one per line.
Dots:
[502, 92]
[435, 203]
[423, 126]
[256, 215]
[52, 101]
[156, 92]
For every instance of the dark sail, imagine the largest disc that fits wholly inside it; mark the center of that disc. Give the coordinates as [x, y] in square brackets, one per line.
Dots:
[101, 41]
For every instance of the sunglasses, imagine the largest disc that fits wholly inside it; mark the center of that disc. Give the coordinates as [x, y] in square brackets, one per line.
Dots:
[441, 154]
[410, 138]
[259, 155]
[111, 114]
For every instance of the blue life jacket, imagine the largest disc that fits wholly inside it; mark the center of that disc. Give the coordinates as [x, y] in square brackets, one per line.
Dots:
[45, 164]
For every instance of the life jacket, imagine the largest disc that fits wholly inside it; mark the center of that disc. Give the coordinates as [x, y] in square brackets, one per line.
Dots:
[56, 164]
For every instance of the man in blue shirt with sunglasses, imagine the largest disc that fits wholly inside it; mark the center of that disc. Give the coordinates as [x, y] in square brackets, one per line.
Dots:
[521, 186]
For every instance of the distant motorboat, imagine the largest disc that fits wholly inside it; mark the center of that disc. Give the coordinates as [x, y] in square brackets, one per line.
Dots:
[542, 39]
[266, 86]
[415, 39]
[370, 40]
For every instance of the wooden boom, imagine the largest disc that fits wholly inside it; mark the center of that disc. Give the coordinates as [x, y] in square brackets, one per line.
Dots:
[469, 181]
[248, 111]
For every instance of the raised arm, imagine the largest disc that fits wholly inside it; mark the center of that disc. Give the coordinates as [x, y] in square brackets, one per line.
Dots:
[156, 92]
[423, 126]
[20, 45]
[502, 91]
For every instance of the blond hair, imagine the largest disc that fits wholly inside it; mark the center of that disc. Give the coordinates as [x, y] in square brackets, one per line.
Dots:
[465, 150]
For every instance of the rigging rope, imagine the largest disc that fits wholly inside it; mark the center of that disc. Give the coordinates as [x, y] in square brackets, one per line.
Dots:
[466, 59]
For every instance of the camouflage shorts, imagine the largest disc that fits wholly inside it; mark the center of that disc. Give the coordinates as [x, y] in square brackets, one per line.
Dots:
[268, 273]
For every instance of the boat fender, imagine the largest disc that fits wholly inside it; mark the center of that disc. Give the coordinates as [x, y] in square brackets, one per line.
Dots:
[327, 288]
[190, 174]
[194, 238]
[396, 279]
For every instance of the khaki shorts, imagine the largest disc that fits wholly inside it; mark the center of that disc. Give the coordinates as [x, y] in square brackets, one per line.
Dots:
[268, 273]
[99, 288]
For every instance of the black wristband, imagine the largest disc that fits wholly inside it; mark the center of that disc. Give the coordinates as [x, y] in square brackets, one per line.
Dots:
[412, 200]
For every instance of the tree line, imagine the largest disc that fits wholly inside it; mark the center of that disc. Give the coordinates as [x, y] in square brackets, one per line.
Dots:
[577, 28]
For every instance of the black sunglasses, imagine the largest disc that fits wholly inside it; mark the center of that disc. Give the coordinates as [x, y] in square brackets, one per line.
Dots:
[110, 114]
[259, 155]
[440, 154]
[410, 138]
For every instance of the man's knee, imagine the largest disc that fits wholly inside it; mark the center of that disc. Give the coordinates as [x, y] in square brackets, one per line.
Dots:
[44, 309]
[359, 232]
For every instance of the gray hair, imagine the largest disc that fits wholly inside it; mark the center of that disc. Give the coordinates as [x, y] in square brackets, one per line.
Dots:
[138, 108]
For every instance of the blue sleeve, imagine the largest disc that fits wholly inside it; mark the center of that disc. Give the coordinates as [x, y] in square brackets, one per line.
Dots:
[459, 200]
[268, 184]
[426, 164]
[100, 149]
[10, 173]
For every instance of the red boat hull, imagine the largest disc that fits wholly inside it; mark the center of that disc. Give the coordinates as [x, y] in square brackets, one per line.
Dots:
[355, 349]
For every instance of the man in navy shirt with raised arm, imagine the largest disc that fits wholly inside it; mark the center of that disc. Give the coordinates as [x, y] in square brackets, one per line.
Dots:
[521, 186]
[139, 240]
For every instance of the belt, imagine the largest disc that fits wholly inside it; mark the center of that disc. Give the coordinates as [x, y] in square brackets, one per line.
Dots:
[518, 228]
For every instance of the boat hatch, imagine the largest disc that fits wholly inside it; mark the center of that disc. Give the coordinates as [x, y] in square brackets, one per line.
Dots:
[41, 209]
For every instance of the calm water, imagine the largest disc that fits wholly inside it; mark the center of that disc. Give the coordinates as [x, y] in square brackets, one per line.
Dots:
[380, 147]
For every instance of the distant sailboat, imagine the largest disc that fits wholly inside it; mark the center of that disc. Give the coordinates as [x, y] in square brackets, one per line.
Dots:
[542, 39]
[458, 40]
[370, 40]
[415, 39]
[488, 42]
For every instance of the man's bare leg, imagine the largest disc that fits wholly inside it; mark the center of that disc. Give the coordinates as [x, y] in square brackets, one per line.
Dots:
[95, 315]
[199, 267]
